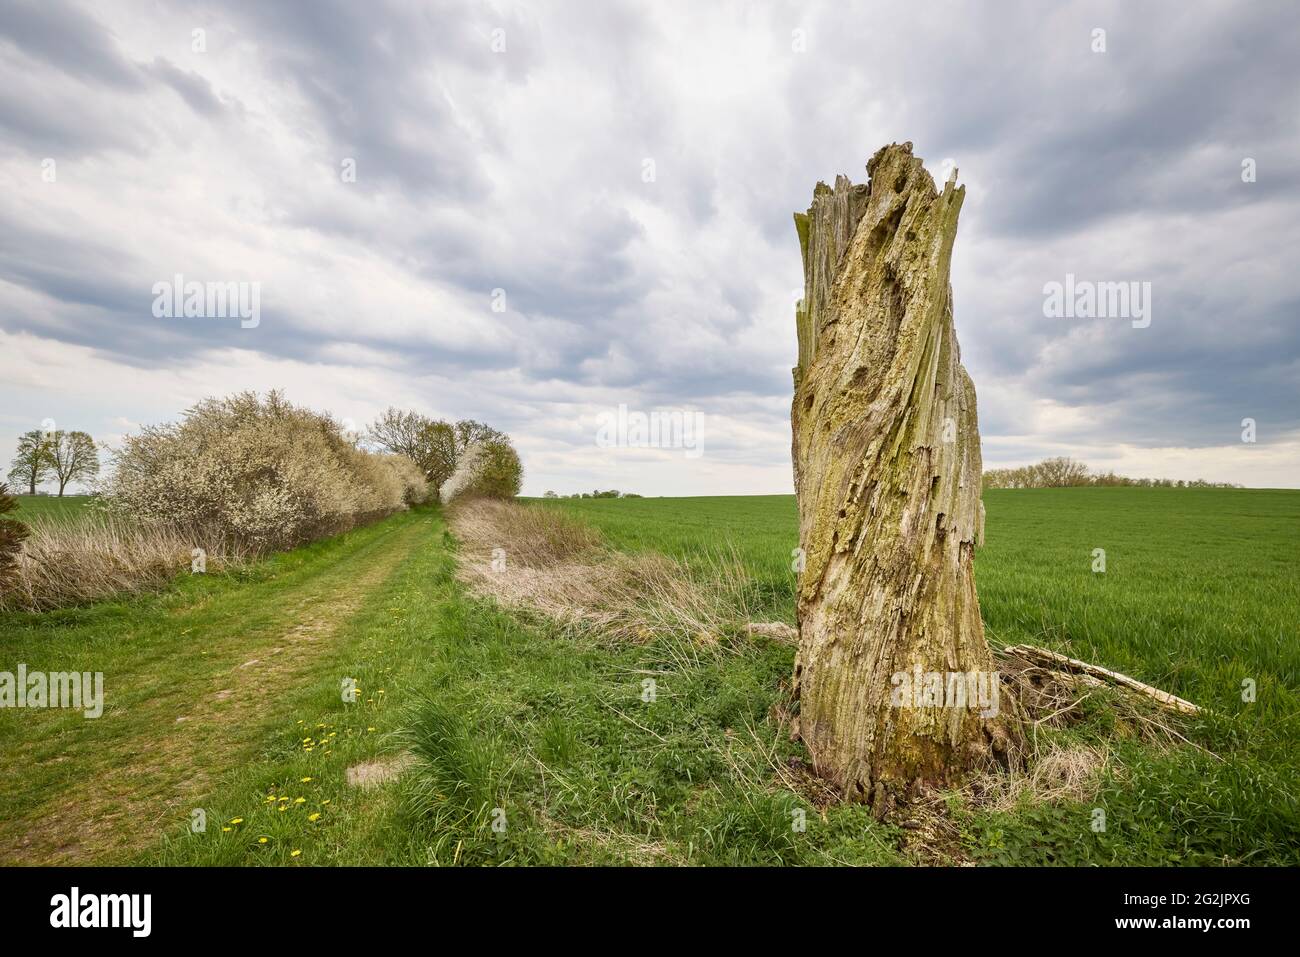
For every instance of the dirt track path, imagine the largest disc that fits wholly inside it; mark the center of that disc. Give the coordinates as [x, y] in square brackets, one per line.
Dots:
[139, 774]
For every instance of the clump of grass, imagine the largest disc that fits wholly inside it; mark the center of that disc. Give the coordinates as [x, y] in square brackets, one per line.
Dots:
[558, 742]
[455, 768]
[456, 783]
[1183, 807]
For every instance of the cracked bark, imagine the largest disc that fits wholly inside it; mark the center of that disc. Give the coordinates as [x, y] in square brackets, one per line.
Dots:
[887, 473]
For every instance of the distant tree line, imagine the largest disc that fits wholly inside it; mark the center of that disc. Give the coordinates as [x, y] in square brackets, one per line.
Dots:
[596, 493]
[1064, 472]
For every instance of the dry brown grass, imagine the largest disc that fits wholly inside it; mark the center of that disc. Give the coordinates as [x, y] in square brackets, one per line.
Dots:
[67, 563]
[532, 537]
[558, 567]
[105, 554]
[1058, 772]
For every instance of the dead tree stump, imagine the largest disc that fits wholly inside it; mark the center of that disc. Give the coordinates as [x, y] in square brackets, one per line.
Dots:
[887, 473]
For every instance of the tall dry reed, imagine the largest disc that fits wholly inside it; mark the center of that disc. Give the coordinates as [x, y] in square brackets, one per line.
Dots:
[99, 555]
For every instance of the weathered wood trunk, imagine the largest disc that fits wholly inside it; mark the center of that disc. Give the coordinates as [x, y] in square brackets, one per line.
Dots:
[887, 472]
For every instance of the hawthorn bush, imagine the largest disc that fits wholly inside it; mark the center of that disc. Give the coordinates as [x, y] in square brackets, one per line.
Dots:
[257, 473]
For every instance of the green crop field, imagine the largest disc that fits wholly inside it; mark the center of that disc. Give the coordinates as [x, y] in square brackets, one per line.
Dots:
[43, 508]
[222, 694]
[1200, 594]
[1201, 587]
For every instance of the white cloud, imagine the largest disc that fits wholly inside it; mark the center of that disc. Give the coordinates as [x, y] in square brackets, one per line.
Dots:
[523, 170]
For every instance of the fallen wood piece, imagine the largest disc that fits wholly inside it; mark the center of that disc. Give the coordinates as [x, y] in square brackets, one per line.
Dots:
[1042, 655]
[1076, 678]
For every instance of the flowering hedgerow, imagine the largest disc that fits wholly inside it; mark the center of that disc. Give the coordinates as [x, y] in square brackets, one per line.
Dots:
[259, 473]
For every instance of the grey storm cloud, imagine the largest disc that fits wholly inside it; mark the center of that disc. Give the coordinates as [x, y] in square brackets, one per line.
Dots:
[189, 85]
[505, 147]
[63, 37]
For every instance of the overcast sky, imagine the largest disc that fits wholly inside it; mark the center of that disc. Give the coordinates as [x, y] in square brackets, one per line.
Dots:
[626, 173]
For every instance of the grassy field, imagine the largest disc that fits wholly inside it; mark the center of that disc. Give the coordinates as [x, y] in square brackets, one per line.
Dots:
[1201, 592]
[533, 743]
[45, 508]
[1201, 588]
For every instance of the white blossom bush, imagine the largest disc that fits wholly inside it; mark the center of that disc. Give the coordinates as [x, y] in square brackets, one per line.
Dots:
[487, 469]
[462, 480]
[259, 473]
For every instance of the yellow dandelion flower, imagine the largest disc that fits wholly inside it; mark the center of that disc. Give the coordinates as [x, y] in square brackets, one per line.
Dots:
[299, 800]
[282, 808]
[225, 829]
[326, 801]
[261, 840]
[304, 780]
[236, 820]
[295, 853]
[370, 729]
[314, 816]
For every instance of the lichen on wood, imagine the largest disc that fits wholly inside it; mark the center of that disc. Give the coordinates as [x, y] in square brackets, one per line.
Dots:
[887, 472]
